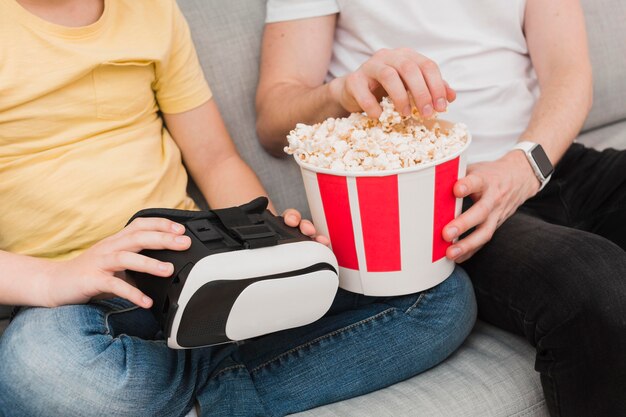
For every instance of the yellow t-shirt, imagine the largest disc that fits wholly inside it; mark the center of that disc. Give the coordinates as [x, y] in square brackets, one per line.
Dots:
[82, 145]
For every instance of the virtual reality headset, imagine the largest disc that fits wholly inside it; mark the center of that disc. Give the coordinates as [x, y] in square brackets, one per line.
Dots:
[246, 274]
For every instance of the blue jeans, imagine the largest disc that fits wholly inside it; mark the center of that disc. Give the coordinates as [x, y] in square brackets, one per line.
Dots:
[108, 358]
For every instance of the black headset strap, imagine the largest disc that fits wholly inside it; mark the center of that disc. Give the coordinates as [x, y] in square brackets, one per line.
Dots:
[243, 223]
[253, 234]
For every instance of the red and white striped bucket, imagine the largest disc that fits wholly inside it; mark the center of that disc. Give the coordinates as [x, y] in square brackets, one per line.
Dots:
[386, 227]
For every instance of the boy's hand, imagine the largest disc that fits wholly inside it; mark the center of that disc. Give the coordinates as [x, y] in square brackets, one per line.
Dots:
[293, 218]
[94, 272]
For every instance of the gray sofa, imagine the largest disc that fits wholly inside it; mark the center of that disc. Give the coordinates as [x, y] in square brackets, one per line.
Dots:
[492, 373]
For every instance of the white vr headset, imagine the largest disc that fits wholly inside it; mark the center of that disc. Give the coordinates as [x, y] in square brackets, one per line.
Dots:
[246, 274]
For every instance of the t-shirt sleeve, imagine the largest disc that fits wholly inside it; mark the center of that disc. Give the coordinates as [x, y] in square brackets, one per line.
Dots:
[282, 10]
[180, 84]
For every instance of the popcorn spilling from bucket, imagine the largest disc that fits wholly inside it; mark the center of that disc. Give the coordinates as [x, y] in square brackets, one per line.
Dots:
[359, 143]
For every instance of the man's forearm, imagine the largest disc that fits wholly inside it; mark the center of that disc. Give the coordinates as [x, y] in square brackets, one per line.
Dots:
[289, 103]
[557, 44]
[22, 279]
[560, 111]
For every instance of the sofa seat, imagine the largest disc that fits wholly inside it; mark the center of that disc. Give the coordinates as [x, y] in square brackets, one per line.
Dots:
[491, 375]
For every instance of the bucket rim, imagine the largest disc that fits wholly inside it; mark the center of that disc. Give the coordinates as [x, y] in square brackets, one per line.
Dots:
[312, 168]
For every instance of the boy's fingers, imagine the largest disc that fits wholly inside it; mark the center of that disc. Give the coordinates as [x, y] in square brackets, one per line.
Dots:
[120, 261]
[121, 288]
[140, 240]
[156, 224]
[307, 228]
[323, 240]
[292, 217]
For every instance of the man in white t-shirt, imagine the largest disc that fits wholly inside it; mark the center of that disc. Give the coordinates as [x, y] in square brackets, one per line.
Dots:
[547, 263]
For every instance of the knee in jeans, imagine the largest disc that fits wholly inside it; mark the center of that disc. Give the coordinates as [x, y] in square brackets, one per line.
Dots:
[48, 365]
[37, 356]
[457, 302]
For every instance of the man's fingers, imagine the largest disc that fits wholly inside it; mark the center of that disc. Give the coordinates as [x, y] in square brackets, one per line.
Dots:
[421, 76]
[476, 215]
[471, 184]
[139, 240]
[466, 247]
[434, 81]
[416, 84]
[120, 261]
[390, 80]
[466, 256]
[120, 288]
[450, 93]
[156, 224]
[357, 86]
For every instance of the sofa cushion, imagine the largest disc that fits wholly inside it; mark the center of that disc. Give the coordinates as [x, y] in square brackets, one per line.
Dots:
[490, 375]
[606, 30]
[611, 136]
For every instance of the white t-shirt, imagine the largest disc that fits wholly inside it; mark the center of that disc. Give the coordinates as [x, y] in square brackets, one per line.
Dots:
[479, 46]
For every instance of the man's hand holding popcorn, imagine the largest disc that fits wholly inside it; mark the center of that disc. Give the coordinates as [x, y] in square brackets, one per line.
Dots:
[398, 73]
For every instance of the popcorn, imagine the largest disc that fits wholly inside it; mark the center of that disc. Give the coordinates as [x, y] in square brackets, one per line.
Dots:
[359, 143]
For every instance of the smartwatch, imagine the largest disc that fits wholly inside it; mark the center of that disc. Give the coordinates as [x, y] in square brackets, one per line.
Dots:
[538, 160]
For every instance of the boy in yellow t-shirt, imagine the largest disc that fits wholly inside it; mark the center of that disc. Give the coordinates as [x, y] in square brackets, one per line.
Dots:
[83, 146]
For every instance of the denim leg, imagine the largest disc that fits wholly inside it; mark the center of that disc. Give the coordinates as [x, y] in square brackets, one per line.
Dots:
[564, 290]
[107, 358]
[361, 345]
[89, 360]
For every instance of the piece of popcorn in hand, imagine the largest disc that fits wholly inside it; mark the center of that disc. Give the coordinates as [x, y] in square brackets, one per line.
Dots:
[358, 143]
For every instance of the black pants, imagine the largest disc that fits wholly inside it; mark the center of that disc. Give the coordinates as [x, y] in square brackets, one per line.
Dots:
[555, 272]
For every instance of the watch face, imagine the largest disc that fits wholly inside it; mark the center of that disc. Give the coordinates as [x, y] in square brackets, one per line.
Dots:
[542, 161]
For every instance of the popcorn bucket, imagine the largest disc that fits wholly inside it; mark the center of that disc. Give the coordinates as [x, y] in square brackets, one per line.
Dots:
[385, 227]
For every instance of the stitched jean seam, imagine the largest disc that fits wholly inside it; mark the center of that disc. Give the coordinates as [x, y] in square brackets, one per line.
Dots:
[414, 305]
[319, 339]
[109, 313]
[343, 329]
[228, 368]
